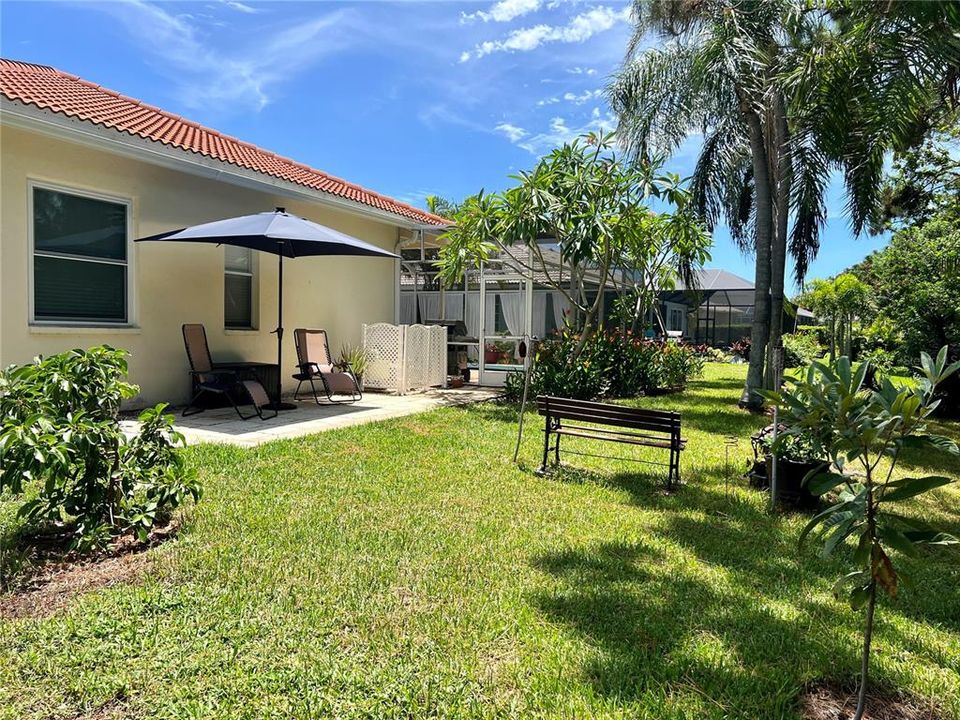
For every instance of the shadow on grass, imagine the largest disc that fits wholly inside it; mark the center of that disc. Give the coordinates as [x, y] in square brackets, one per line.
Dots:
[665, 628]
[727, 604]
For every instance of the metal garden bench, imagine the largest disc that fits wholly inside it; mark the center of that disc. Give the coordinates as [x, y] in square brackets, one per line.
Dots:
[633, 426]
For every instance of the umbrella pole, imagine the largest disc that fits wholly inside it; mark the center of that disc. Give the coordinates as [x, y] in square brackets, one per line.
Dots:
[278, 403]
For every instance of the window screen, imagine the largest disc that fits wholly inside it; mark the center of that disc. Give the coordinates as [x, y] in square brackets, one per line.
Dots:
[238, 287]
[80, 264]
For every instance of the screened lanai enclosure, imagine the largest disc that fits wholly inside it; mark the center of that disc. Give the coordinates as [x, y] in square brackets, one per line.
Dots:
[512, 299]
[488, 313]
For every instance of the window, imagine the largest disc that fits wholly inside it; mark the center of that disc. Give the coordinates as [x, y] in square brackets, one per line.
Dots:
[676, 319]
[81, 269]
[238, 269]
[499, 321]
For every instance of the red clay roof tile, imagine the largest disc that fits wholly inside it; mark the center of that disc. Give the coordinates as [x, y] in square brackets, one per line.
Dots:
[50, 89]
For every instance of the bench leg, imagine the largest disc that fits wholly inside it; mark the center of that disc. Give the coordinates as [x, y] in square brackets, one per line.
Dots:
[673, 478]
[546, 444]
[556, 447]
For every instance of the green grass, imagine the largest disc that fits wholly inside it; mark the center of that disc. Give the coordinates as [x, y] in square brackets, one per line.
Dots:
[408, 569]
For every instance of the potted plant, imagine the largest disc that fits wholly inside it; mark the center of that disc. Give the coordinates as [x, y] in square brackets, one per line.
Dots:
[797, 457]
[498, 351]
[353, 359]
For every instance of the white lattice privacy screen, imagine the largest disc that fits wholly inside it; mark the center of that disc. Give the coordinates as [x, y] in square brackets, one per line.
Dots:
[404, 357]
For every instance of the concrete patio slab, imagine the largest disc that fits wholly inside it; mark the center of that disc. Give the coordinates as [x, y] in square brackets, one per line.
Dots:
[221, 425]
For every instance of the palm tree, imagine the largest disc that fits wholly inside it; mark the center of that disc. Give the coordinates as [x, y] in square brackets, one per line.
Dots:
[439, 205]
[718, 74]
[783, 94]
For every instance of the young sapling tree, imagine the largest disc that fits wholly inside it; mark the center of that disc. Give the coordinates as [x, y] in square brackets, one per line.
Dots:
[864, 433]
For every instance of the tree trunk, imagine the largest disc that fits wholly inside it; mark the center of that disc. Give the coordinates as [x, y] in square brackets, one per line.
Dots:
[865, 660]
[764, 229]
[779, 161]
[833, 338]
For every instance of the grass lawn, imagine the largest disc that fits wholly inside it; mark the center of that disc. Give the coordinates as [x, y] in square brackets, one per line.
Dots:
[407, 569]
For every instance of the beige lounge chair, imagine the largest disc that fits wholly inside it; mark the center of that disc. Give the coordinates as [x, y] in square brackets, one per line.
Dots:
[211, 380]
[316, 363]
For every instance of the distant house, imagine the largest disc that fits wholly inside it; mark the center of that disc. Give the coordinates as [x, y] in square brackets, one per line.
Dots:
[86, 170]
[720, 310]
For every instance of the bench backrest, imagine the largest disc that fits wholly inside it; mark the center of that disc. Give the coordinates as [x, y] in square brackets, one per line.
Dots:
[667, 422]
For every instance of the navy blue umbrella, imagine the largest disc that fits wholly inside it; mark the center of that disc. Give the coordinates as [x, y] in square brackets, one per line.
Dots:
[283, 235]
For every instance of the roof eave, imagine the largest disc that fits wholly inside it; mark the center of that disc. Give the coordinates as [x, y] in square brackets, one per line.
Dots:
[15, 113]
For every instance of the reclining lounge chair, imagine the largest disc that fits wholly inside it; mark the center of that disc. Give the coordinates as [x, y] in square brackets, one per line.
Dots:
[208, 379]
[316, 365]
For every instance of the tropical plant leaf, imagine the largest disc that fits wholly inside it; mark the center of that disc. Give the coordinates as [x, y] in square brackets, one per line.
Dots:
[859, 596]
[822, 517]
[910, 487]
[935, 441]
[881, 569]
[825, 482]
[898, 541]
[839, 533]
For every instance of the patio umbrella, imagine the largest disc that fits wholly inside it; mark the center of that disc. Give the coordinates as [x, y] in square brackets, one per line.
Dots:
[284, 235]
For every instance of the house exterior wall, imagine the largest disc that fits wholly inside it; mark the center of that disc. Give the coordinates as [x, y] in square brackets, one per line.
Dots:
[174, 283]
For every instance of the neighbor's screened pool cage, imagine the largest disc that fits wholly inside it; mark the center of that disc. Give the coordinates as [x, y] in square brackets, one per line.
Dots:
[721, 311]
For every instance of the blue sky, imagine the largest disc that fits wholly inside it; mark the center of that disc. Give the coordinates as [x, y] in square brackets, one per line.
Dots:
[409, 99]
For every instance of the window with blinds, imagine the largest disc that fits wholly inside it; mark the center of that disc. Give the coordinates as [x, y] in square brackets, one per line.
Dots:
[238, 275]
[80, 259]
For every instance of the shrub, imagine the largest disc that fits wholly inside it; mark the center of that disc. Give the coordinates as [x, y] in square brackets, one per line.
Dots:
[611, 364]
[59, 432]
[800, 349]
[708, 353]
[741, 348]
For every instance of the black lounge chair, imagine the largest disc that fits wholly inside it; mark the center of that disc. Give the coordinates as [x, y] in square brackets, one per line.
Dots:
[208, 379]
[316, 363]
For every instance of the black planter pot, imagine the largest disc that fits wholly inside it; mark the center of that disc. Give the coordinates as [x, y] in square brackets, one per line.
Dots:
[758, 475]
[791, 492]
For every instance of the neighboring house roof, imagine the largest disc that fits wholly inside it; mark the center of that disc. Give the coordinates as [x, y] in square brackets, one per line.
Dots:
[51, 89]
[717, 279]
[716, 286]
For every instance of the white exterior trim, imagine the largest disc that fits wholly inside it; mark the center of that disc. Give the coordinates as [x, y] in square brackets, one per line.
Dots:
[131, 263]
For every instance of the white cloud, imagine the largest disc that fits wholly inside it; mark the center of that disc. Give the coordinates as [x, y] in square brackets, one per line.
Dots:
[548, 101]
[513, 133]
[582, 97]
[503, 11]
[581, 71]
[241, 78]
[241, 7]
[579, 29]
[558, 132]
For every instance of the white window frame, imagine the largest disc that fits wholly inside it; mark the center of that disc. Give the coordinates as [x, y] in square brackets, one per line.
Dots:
[254, 291]
[130, 264]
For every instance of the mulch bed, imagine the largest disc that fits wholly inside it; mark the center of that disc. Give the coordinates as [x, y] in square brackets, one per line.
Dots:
[826, 701]
[59, 575]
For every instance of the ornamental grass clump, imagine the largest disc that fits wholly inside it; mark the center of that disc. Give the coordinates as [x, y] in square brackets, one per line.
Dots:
[863, 432]
[61, 443]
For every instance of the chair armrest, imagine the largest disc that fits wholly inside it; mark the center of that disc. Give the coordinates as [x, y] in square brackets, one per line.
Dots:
[309, 368]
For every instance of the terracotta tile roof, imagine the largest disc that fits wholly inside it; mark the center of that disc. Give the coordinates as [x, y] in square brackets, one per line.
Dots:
[51, 89]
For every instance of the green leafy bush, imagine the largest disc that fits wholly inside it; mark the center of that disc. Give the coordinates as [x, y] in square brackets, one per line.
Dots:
[610, 364]
[800, 349]
[60, 436]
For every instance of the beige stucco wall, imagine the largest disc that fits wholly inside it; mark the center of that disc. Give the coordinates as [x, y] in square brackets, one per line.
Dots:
[178, 282]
